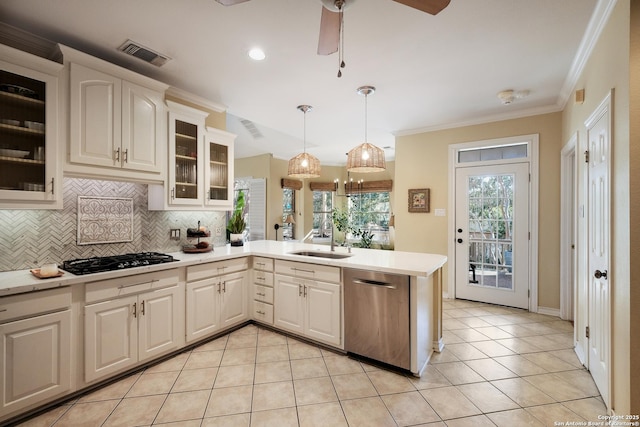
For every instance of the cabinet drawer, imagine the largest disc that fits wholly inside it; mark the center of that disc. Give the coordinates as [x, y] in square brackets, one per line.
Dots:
[263, 293]
[263, 278]
[32, 303]
[112, 288]
[263, 312]
[308, 271]
[261, 263]
[218, 268]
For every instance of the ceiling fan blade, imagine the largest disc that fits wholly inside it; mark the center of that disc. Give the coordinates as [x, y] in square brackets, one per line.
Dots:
[230, 2]
[432, 7]
[329, 32]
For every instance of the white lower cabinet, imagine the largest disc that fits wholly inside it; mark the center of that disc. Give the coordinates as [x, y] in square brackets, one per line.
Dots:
[218, 301]
[122, 332]
[36, 350]
[309, 308]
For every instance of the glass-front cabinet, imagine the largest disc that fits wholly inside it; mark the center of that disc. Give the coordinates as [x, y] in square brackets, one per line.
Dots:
[186, 133]
[219, 168]
[28, 135]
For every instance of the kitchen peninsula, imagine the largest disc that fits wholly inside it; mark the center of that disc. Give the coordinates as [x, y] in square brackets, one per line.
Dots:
[165, 307]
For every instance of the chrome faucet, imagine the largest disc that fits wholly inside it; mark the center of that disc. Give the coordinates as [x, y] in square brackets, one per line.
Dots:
[333, 242]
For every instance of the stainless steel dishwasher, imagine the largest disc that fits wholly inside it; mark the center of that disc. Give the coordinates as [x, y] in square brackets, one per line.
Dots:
[376, 315]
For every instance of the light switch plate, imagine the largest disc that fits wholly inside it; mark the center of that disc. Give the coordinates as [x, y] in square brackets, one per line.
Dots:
[441, 212]
[174, 234]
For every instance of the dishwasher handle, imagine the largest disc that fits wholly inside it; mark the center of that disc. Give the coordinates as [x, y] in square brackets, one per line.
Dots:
[374, 283]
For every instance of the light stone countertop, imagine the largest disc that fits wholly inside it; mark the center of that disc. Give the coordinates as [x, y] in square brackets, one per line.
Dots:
[398, 262]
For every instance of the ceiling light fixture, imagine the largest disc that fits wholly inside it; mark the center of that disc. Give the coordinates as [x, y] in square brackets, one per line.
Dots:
[304, 165]
[366, 157]
[509, 95]
[257, 54]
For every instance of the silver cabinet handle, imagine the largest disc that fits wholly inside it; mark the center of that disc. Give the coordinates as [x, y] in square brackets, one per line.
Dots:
[135, 314]
[299, 290]
[117, 154]
[125, 156]
[53, 187]
[261, 312]
[305, 291]
[261, 294]
[137, 284]
[303, 270]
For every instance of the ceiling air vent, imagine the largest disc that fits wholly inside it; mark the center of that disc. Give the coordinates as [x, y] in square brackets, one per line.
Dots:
[135, 49]
[253, 130]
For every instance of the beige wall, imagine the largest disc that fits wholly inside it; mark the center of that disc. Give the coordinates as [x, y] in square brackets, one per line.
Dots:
[607, 68]
[424, 160]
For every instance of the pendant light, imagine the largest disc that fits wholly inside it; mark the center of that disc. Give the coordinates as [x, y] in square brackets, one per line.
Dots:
[304, 165]
[366, 157]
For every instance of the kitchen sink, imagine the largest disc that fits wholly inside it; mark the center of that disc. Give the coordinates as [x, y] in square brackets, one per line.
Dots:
[321, 254]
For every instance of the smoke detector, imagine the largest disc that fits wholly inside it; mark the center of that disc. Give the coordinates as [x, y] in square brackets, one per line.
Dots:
[509, 95]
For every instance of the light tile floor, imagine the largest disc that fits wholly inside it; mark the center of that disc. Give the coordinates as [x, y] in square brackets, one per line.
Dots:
[500, 367]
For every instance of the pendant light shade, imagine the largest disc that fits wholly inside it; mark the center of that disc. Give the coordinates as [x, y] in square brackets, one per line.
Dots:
[366, 157]
[304, 165]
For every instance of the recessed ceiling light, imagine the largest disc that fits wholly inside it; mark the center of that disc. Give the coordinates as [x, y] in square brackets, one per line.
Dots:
[257, 54]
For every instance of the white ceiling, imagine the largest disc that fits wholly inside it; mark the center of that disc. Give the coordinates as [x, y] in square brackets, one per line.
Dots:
[430, 71]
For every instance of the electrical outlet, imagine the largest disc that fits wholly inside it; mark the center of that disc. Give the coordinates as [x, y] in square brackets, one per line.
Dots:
[441, 212]
[174, 234]
[219, 231]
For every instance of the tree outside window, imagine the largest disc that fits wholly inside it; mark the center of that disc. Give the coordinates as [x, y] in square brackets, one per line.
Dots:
[322, 207]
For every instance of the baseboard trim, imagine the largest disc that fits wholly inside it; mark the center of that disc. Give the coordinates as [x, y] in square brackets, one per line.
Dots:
[549, 311]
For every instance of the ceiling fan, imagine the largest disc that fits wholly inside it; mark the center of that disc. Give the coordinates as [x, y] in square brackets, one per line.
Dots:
[331, 23]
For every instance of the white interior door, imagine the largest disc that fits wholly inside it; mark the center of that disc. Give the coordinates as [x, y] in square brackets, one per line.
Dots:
[599, 327]
[492, 234]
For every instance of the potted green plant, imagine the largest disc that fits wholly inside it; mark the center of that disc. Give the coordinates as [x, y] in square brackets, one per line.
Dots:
[237, 223]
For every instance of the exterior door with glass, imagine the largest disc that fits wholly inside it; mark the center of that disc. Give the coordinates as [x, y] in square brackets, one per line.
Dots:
[492, 234]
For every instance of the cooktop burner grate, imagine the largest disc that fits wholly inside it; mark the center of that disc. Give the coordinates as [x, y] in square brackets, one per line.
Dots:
[116, 262]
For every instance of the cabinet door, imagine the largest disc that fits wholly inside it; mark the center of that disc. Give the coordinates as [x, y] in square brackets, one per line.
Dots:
[322, 314]
[234, 302]
[111, 336]
[288, 307]
[95, 130]
[185, 161]
[142, 128]
[35, 360]
[29, 170]
[203, 311]
[218, 171]
[160, 321]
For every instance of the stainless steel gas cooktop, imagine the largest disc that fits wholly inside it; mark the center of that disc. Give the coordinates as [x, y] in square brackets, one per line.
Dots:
[115, 262]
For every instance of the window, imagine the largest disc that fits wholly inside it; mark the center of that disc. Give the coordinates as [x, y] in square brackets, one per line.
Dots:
[288, 208]
[371, 212]
[322, 207]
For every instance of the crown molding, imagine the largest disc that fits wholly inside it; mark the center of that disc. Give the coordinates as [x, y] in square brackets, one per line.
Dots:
[596, 25]
[196, 99]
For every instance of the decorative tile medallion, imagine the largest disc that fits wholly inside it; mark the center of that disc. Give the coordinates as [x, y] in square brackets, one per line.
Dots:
[104, 220]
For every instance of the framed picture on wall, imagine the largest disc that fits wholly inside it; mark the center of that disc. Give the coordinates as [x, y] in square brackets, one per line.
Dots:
[419, 200]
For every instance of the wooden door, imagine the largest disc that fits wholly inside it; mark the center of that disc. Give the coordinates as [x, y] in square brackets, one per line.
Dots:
[35, 356]
[203, 312]
[110, 337]
[95, 129]
[598, 240]
[142, 128]
[288, 305]
[160, 321]
[322, 312]
[234, 301]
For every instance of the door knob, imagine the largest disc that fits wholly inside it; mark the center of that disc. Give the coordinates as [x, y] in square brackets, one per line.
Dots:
[459, 240]
[600, 274]
[459, 230]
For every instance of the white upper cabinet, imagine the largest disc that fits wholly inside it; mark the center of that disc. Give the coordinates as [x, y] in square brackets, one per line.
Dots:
[30, 162]
[117, 121]
[218, 170]
[200, 174]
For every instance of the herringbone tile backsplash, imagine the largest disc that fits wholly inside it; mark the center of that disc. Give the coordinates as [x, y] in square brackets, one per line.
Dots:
[30, 238]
